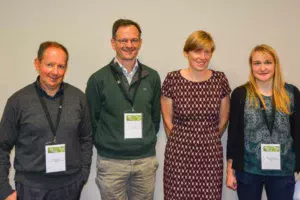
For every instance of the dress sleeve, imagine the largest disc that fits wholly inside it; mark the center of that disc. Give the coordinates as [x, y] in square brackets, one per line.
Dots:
[225, 86]
[167, 87]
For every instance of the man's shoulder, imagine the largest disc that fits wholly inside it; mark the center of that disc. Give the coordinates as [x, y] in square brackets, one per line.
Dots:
[72, 89]
[101, 74]
[102, 71]
[23, 95]
[152, 73]
[28, 90]
[149, 69]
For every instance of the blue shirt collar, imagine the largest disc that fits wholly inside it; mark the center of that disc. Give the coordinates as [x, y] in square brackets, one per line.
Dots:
[43, 93]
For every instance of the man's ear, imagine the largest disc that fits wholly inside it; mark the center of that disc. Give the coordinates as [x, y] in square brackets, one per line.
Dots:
[37, 64]
[141, 42]
[113, 43]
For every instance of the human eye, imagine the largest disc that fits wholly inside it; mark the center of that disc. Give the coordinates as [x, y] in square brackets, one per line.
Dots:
[61, 66]
[268, 62]
[256, 63]
[207, 52]
[197, 50]
[135, 40]
[49, 64]
[124, 41]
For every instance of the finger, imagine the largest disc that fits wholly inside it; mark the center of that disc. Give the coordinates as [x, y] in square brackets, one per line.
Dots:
[230, 186]
[235, 186]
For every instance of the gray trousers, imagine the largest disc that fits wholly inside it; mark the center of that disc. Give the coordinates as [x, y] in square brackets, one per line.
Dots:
[71, 192]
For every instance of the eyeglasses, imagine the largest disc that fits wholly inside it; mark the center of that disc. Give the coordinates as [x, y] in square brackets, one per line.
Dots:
[125, 41]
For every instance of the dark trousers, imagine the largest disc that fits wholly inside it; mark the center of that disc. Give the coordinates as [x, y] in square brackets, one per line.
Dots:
[70, 192]
[250, 186]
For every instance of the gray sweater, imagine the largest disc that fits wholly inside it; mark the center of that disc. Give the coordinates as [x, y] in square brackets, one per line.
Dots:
[24, 126]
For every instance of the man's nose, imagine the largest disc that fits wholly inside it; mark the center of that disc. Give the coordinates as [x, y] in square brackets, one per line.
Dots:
[55, 70]
[129, 43]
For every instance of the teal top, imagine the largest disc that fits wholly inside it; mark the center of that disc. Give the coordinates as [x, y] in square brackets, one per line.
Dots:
[257, 133]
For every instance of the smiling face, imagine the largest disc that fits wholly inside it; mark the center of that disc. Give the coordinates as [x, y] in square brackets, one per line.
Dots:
[52, 68]
[263, 66]
[127, 43]
[199, 58]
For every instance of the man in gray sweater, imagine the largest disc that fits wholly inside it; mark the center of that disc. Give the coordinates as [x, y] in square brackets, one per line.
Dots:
[48, 123]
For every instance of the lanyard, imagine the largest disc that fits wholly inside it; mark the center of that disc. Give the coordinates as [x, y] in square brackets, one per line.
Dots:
[269, 125]
[119, 82]
[46, 111]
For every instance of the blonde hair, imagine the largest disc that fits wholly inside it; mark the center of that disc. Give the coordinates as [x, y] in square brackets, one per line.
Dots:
[199, 40]
[281, 99]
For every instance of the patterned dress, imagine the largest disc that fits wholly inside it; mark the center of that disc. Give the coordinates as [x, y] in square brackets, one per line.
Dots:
[193, 167]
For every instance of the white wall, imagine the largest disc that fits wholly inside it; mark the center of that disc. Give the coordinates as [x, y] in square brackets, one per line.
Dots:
[84, 27]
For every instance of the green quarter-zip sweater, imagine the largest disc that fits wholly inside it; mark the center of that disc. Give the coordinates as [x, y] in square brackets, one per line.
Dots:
[108, 104]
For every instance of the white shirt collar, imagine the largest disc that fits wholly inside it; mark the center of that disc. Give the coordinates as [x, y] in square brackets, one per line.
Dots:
[130, 75]
[123, 68]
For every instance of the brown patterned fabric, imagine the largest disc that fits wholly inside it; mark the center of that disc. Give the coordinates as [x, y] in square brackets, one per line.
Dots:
[193, 167]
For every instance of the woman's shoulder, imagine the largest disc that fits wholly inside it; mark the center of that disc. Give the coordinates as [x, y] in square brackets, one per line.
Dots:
[173, 74]
[290, 87]
[219, 76]
[218, 73]
[240, 91]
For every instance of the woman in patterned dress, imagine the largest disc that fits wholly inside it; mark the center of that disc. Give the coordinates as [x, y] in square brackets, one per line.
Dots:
[195, 107]
[263, 136]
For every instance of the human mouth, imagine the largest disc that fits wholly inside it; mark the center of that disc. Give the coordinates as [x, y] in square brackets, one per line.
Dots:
[54, 79]
[129, 50]
[200, 63]
[263, 74]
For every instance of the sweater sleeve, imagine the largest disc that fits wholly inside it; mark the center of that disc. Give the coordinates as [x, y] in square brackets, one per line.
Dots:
[8, 137]
[93, 99]
[155, 111]
[86, 142]
[233, 128]
[295, 127]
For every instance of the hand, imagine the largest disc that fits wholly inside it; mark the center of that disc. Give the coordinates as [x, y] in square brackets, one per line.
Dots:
[13, 196]
[169, 134]
[297, 176]
[231, 182]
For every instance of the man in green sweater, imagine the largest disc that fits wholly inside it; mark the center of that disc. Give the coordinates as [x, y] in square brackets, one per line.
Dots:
[124, 100]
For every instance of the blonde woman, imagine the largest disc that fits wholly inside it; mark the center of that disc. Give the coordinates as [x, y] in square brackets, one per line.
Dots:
[195, 106]
[263, 142]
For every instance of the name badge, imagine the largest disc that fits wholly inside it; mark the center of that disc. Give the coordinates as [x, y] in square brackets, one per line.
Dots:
[270, 157]
[55, 158]
[133, 125]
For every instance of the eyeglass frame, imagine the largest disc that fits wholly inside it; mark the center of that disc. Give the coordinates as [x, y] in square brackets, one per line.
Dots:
[125, 41]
